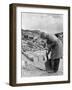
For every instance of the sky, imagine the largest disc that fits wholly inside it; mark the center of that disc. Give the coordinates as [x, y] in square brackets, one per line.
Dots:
[49, 23]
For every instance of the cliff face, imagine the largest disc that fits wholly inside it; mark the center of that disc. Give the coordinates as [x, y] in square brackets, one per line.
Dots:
[34, 49]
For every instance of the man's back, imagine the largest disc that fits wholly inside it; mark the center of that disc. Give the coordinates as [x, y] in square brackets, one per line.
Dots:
[57, 49]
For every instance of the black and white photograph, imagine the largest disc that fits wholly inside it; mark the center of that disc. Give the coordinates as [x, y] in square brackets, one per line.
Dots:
[41, 44]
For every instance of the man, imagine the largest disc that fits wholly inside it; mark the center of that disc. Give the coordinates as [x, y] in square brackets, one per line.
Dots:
[55, 47]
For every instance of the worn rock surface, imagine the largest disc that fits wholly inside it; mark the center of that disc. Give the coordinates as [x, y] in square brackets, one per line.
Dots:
[33, 55]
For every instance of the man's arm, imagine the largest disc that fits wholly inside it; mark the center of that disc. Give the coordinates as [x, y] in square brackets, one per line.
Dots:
[49, 49]
[51, 46]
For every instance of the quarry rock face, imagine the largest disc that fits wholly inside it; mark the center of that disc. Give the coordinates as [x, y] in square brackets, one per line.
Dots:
[36, 59]
[33, 50]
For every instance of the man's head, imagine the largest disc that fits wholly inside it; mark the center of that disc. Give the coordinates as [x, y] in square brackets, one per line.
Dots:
[43, 35]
